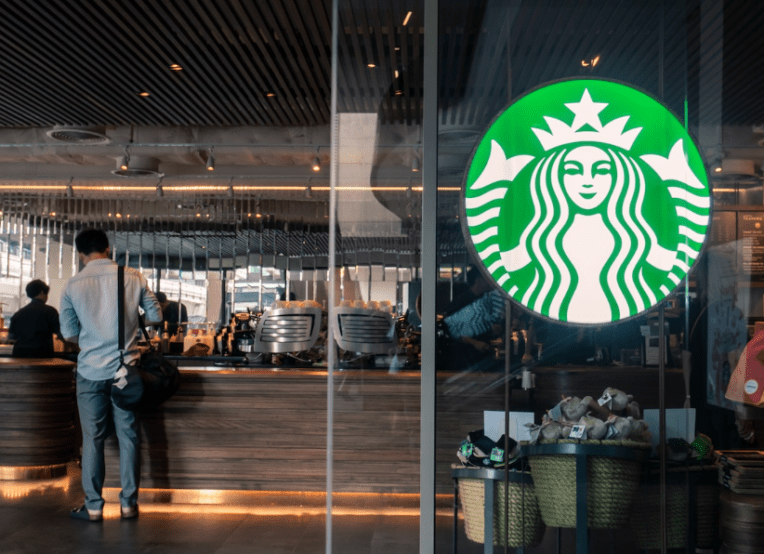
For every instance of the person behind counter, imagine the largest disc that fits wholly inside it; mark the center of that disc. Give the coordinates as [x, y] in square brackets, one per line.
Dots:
[89, 316]
[33, 326]
[173, 313]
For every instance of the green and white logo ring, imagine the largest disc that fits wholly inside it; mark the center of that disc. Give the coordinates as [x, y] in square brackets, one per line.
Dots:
[586, 201]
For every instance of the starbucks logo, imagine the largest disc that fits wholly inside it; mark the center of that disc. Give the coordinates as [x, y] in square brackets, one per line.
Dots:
[587, 201]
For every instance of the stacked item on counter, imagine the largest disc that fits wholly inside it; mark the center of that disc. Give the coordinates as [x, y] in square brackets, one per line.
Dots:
[382, 305]
[614, 420]
[741, 473]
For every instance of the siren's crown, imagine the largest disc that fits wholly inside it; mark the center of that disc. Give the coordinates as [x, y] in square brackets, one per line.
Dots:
[587, 113]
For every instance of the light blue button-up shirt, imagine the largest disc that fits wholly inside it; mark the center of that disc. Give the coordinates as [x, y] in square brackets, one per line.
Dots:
[89, 311]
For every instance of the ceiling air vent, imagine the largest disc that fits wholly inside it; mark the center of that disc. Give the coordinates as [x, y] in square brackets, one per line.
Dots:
[79, 135]
[140, 166]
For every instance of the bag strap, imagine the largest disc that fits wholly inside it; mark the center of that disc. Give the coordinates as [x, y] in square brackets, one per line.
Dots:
[121, 309]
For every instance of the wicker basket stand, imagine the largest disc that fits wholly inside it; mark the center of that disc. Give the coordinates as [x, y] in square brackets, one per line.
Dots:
[522, 527]
[586, 483]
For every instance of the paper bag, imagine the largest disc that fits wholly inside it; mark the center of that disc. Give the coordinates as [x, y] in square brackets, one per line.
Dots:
[747, 382]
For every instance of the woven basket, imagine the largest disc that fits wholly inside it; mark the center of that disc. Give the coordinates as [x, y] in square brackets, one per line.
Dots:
[525, 525]
[645, 516]
[611, 486]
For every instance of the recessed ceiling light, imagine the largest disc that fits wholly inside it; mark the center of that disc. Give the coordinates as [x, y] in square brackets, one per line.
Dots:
[371, 65]
[270, 95]
[176, 67]
[144, 94]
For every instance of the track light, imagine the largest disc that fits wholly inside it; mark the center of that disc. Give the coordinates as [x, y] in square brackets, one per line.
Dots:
[415, 164]
[716, 167]
[160, 190]
[230, 187]
[308, 192]
[316, 164]
[257, 209]
[210, 161]
[122, 163]
[69, 191]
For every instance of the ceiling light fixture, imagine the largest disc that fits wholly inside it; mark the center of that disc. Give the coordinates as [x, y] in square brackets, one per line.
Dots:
[230, 188]
[160, 190]
[257, 209]
[122, 163]
[143, 94]
[406, 20]
[308, 192]
[371, 65]
[316, 163]
[210, 160]
[716, 167]
[70, 189]
[415, 164]
[270, 95]
[176, 67]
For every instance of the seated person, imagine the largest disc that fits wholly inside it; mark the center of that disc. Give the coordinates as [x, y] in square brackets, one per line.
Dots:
[173, 313]
[33, 326]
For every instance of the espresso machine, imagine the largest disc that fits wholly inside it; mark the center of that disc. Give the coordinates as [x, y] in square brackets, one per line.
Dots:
[243, 325]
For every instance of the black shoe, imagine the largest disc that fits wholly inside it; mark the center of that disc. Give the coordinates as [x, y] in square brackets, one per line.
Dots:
[129, 512]
[83, 513]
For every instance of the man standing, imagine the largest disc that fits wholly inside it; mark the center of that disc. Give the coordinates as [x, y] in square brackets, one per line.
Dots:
[33, 326]
[173, 313]
[89, 316]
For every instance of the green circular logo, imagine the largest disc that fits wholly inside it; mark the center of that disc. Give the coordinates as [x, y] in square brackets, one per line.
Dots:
[587, 201]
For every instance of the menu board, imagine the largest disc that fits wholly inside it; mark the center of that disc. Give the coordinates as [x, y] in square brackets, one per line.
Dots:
[723, 227]
[750, 234]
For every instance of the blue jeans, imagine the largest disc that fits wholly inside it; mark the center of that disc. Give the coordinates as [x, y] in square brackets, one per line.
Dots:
[97, 412]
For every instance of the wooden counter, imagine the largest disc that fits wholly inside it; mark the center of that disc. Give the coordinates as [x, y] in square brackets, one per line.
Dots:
[266, 429]
[37, 412]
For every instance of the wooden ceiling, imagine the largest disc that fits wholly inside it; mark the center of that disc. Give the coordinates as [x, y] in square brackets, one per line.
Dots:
[268, 62]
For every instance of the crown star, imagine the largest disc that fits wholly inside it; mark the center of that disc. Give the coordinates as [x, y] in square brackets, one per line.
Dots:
[586, 113]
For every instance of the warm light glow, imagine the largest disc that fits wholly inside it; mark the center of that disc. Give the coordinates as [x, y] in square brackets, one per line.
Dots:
[176, 67]
[584, 63]
[316, 164]
[718, 169]
[396, 73]
[53, 214]
[119, 215]
[198, 215]
[595, 60]
[406, 21]
[210, 188]
[371, 65]
[270, 95]
[144, 94]
[258, 215]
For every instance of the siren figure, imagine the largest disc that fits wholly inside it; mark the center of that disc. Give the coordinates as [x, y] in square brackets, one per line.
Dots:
[585, 253]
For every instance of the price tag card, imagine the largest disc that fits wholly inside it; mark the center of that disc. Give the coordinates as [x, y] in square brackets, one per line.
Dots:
[497, 454]
[605, 399]
[578, 432]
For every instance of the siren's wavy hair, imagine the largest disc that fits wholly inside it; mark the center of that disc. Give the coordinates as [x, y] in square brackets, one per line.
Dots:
[556, 279]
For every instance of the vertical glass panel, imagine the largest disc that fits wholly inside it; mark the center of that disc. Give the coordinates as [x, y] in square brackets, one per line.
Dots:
[378, 186]
[577, 151]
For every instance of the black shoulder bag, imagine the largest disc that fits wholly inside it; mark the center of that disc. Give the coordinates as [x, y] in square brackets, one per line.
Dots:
[150, 381]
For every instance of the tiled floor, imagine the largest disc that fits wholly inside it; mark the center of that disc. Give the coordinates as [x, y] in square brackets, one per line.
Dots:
[34, 519]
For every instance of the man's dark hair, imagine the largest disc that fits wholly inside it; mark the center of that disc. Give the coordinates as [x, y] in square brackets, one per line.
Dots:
[161, 297]
[472, 275]
[91, 240]
[34, 288]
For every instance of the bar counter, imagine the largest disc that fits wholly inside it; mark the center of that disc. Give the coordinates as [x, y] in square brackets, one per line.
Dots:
[265, 428]
[37, 415]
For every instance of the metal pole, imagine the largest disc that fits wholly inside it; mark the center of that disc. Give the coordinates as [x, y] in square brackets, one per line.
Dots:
[429, 241]
[330, 348]
[662, 422]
